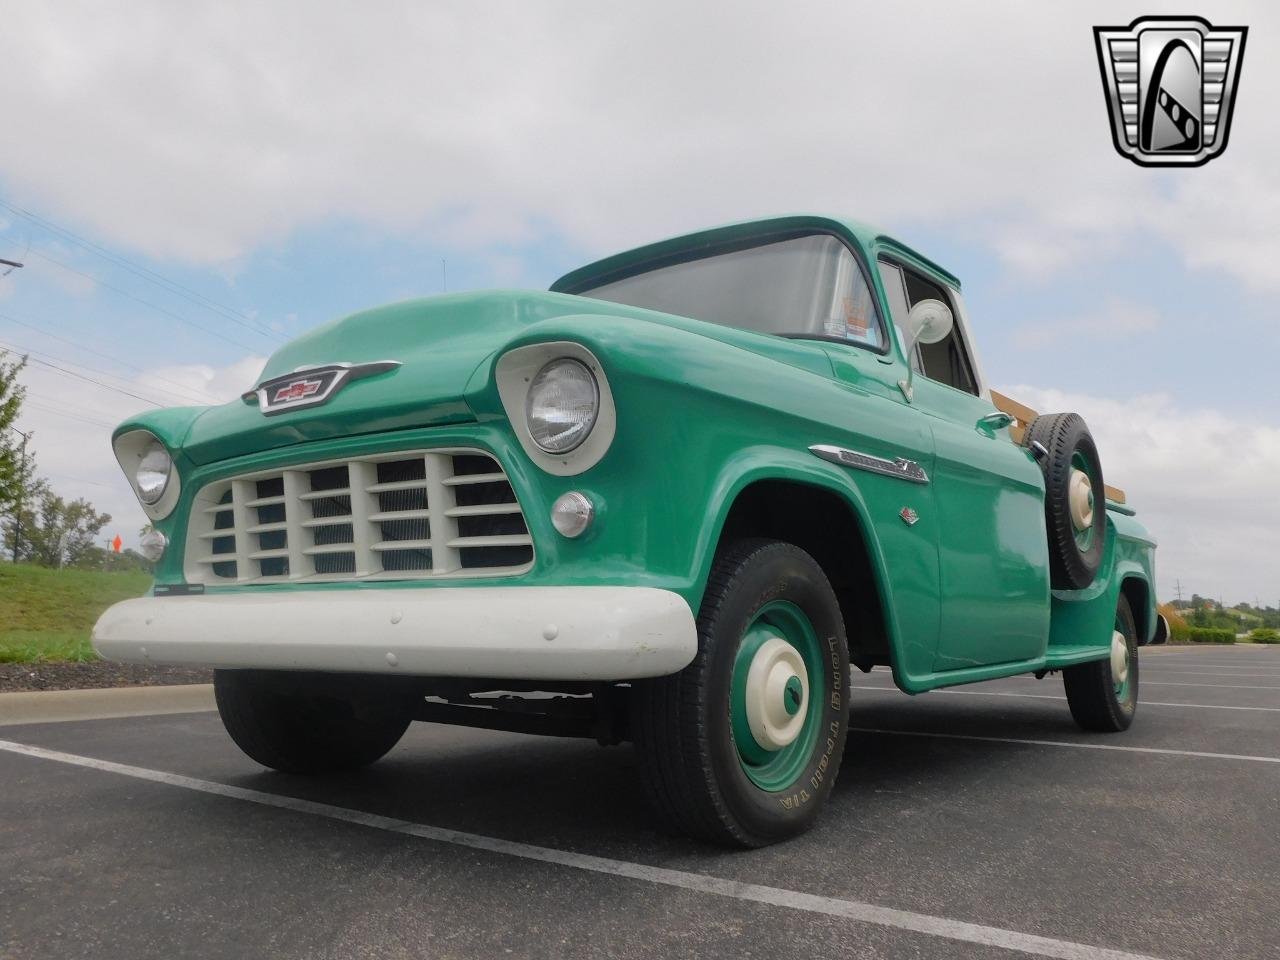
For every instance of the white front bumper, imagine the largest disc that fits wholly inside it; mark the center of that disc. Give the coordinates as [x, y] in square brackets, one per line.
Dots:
[517, 633]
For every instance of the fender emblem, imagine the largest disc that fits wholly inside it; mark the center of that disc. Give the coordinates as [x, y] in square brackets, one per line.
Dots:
[909, 516]
[898, 467]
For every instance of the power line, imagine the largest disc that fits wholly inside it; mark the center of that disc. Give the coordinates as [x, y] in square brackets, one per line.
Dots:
[209, 398]
[80, 376]
[35, 354]
[147, 303]
[137, 269]
[53, 405]
[70, 416]
[96, 483]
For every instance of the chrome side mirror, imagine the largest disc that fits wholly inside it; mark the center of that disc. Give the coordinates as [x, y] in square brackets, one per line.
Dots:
[930, 321]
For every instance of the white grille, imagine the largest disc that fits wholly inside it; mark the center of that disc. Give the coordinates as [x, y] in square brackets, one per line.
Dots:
[426, 514]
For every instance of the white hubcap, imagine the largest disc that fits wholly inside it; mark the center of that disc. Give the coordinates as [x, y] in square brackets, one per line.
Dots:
[772, 724]
[1081, 497]
[1119, 657]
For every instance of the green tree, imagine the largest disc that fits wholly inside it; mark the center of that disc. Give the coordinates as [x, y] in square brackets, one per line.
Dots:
[127, 560]
[15, 476]
[50, 527]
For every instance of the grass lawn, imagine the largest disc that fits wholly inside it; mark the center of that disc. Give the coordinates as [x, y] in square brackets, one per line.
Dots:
[47, 614]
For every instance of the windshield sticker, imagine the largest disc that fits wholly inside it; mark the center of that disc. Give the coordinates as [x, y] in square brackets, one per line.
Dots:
[834, 327]
[857, 326]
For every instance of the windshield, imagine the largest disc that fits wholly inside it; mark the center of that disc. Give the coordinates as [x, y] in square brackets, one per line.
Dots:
[805, 286]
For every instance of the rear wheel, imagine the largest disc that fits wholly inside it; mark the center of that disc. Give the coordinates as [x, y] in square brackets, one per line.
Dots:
[742, 747]
[283, 722]
[1103, 695]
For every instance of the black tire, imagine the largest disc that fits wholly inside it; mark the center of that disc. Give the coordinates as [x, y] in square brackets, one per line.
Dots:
[1064, 436]
[681, 724]
[287, 724]
[1091, 687]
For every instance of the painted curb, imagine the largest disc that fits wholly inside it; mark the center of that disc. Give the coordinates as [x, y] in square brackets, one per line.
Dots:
[55, 706]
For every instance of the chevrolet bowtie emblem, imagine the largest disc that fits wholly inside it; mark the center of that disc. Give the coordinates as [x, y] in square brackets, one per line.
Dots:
[297, 390]
[311, 386]
[1170, 84]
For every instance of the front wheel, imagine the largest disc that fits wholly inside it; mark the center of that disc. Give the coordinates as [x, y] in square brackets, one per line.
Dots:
[1103, 695]
[742, 747]
[287, 723]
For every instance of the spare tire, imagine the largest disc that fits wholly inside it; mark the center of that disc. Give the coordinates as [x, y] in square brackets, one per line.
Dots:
[1074, 498]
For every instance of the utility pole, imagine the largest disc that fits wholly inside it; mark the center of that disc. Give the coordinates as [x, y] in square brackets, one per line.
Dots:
[17, 509]
[1178, 589]
[444, 276]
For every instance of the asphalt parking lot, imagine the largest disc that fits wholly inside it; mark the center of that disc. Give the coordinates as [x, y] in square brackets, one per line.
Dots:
[973, 823]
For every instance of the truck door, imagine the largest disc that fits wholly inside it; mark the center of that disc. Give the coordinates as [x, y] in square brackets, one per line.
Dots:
[992, 553]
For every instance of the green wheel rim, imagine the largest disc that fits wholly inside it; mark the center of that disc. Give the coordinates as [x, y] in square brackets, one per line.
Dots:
[778, 770]
[1084, 538]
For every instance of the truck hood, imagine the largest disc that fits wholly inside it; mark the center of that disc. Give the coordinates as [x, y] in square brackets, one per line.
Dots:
[438, 343]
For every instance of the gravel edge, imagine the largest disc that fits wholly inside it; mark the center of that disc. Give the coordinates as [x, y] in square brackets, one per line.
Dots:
[94, 675]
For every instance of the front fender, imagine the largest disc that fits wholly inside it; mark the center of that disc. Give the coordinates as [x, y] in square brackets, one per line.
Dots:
[700, 419]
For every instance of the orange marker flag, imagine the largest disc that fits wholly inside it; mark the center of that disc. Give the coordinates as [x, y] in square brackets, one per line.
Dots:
[117, 543]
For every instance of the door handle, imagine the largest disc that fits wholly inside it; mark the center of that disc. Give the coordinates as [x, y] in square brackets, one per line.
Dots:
[997, 421]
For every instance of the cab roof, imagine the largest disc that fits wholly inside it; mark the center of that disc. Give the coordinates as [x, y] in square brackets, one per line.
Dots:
[737, 236]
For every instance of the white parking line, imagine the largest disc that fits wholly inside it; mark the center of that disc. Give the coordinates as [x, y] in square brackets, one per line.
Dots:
[1067, 743]
[1162, 663]
[1220, 686]
[1238, 673]
[1245, 674]
[698, 882]
[1147, 682]
[1049, 696]
[1231, 661]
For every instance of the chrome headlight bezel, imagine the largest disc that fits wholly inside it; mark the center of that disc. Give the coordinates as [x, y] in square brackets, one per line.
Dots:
[514, 373]
[537, 405]
[133, 449]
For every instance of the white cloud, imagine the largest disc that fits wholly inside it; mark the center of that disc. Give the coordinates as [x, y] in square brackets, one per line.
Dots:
[217, 383]
[1114, 320]
[73, 420]
[1202, 482]
[203, 134]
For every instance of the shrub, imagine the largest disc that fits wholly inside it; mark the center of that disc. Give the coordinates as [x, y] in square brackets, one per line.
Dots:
[1179, 631]
[1212, 635]
[1264, 635]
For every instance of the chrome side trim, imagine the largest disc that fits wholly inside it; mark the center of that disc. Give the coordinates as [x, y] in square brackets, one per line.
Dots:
[902, 469]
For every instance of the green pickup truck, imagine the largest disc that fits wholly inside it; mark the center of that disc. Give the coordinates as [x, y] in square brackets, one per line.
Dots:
[672, 501]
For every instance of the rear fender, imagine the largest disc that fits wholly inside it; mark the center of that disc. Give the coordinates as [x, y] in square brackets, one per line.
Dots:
[1082, 621]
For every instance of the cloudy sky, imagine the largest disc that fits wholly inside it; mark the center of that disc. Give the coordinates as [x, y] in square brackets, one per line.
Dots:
[189, 186]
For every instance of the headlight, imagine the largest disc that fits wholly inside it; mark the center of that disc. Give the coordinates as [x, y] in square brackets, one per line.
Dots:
[561, 405]
[152, 475]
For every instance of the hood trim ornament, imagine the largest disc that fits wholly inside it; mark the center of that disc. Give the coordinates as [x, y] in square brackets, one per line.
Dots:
[311, 386]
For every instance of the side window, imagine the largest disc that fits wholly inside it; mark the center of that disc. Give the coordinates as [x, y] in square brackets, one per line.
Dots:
[946, 361]
[896, 291]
